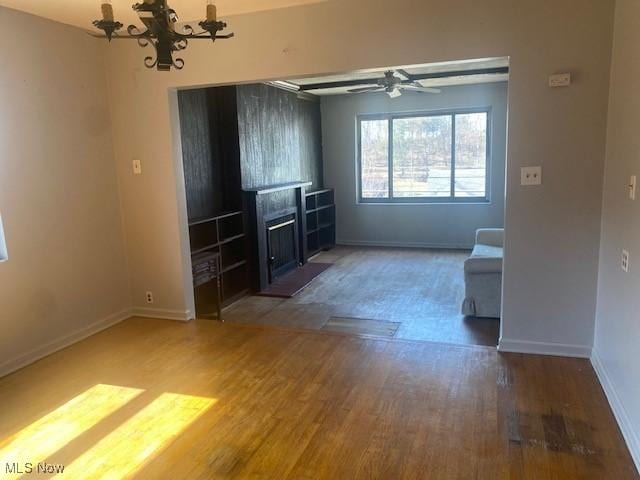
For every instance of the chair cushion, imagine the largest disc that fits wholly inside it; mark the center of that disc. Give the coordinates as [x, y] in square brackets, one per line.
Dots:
[481, 250]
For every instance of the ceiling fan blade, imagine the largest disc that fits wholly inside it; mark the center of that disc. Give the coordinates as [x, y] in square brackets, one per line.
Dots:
[404, 73]
[421, 89]
[365, 89]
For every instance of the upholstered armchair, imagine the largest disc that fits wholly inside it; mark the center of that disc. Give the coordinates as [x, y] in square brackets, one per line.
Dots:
[483, 275]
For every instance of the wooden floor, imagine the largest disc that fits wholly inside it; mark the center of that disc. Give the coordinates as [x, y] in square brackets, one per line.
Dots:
[421, 289]
[166, 400]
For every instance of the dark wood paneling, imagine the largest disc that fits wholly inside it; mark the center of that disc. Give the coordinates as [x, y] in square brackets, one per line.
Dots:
[224, 133]
[202, 182]
[269, 137]
[210, 151]
[310, 136]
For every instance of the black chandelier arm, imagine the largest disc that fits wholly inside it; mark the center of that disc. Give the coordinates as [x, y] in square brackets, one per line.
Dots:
[150, 62]
[178, 63]
[135, 32]
[180, 44]
[197, 36]
[206, 36]
[187, 29]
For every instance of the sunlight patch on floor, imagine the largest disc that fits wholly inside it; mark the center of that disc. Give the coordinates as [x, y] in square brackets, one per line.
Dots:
[50, 433]
[126, 450]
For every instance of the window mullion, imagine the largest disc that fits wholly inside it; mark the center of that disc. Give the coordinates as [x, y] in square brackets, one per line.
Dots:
[390, 156]
[452, 193]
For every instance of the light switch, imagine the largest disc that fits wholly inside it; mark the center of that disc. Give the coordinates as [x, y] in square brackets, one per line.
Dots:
[560, 80]
[137, 167]
[632, 187]
[531, 176]
[625, 261]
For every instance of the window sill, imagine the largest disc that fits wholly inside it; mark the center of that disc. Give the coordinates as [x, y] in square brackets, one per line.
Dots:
[444, 202]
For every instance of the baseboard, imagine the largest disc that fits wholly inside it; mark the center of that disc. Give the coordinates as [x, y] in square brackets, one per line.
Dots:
[36, 354]
[163, 314]
[619, 412]
[373, 243]
[544, 348]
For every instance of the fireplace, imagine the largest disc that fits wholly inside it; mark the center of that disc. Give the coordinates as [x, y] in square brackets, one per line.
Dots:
[282, 243]
[277, 229]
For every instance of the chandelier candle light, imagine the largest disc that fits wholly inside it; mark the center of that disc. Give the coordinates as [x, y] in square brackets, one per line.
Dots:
[160, 30]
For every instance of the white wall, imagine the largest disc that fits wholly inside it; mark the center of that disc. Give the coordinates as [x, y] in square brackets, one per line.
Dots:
[433, 225]
[553, 231]
[66, 275]
[616, 353]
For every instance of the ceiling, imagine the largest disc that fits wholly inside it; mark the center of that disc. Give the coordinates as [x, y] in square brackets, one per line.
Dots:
[443, 67]
[81, 13]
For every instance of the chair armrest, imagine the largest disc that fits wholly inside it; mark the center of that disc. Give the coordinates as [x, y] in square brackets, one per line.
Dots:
[490, 236]
[483, 265]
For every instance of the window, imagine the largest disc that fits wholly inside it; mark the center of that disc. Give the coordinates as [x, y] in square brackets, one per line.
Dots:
[3, 245]
[423, 158]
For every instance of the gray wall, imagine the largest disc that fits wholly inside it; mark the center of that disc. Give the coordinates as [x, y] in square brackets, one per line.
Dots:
[436, 225]
[616, 354]
[66, 276]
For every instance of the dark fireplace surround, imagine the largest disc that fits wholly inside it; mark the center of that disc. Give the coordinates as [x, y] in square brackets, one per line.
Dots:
[282, 242]
[277, 231]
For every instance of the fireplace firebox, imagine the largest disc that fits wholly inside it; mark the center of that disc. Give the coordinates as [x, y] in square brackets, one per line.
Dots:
[282, 244]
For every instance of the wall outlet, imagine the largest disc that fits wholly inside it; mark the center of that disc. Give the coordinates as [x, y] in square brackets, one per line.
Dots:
[149, 297]
[632, 187]
[531, 176]
[560, 80]
[625, 261]
[137, 167]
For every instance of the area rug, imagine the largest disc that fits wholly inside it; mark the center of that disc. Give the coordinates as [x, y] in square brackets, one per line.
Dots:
[361, 326]
[294, 282]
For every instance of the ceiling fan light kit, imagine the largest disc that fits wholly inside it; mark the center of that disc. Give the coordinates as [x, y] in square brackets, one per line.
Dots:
[160, 31]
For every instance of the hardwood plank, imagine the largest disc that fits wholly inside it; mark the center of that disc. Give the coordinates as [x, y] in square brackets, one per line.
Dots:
[272, 403]
[421, 289]
[361, 326]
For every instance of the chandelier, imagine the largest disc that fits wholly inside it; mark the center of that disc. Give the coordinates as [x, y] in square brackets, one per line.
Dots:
[160, 22]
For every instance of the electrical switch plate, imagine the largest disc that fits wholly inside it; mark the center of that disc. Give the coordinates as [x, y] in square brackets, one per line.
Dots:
[560, 80]
[531, 176]
[625, 261]
[632, 187]
[137, 167]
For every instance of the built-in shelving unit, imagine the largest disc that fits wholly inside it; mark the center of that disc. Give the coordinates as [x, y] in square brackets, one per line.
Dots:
[212, 173]
[320, 211]
[223, 234]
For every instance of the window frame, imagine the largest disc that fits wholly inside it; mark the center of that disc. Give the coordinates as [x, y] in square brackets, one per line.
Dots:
[390, 117]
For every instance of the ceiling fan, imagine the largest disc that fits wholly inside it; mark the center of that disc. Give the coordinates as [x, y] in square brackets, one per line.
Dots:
[393, 85]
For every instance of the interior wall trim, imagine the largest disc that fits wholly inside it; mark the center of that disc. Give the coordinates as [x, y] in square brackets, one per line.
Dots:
[38, 353]
[163, 314]
[544, 348]
[366, 243]
[619, 412]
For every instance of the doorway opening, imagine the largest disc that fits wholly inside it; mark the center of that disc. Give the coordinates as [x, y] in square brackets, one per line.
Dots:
[392, 180]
